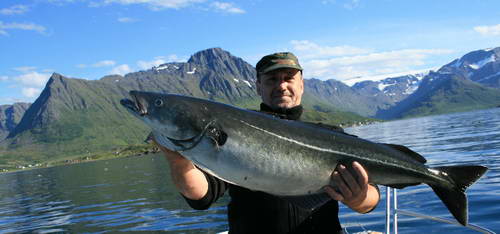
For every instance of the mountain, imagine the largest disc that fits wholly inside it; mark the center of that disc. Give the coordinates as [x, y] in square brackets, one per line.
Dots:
[335, 95]
[71, 117]
[75, 117]
[467, 83]
[444, 92]
[364, 98]
[390, 90]
[481, 66]
[10, 116]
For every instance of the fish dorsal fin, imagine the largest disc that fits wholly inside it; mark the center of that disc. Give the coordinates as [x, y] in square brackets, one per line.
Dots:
[405, 150]
[309, 202]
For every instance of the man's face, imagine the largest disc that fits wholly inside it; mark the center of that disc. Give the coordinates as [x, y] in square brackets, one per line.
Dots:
[281, 88]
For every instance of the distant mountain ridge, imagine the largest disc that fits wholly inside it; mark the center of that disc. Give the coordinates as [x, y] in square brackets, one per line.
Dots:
[468, 83]
[441, 93]
[10, 116]
[394, 89]
[481, 66]
[75, 117]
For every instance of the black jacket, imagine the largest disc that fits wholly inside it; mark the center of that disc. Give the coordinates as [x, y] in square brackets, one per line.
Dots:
[259, 212]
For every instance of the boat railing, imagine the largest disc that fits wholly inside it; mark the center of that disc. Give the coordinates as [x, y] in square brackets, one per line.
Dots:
[391, 214]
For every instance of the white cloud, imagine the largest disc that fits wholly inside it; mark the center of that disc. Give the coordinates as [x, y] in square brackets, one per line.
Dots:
[14, 10]
[60, 2]
[307, 49]
[425, 71]
[175, 58]
[149, 64]
[493, 30]
[227, 7]
[28, 83]
[351, 4]
[33, 79]
[144, 65]
[31, 92]
[10, 100]
[104, 63]
[126, 20]
[21, 26]
[121, 70]
[157, 4]
[328, 2]
[320, 65]
[24, 69]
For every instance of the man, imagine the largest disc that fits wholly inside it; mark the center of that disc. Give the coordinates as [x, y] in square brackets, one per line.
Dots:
[280, 85]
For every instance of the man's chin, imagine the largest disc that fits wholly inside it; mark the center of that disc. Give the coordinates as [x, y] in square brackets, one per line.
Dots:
[283, 105]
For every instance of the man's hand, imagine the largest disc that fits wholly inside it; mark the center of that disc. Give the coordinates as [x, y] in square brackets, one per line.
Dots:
[354, 190]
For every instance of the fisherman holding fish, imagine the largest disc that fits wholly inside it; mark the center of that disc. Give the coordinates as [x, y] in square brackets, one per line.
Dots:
[280, 85]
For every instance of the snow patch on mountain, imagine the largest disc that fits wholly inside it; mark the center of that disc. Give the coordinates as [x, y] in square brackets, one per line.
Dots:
[192, 72]
[483, 62]
[419, 74]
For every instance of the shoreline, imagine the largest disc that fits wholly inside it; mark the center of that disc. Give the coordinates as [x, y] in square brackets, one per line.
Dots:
[130, 151]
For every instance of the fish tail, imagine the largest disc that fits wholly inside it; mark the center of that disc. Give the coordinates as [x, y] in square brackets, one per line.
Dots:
[453, 195]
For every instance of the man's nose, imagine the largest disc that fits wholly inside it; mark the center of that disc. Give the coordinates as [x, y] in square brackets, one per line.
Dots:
[281, 83]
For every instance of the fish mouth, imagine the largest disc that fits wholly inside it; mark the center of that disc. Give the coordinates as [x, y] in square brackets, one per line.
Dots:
[135, 105]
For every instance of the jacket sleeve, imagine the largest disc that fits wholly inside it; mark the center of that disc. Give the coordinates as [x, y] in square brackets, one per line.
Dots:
[216, 189]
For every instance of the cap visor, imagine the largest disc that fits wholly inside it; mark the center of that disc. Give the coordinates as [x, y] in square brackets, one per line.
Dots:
[279, 66]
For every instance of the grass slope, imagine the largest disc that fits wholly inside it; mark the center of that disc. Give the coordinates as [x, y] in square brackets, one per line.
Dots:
[454, 95]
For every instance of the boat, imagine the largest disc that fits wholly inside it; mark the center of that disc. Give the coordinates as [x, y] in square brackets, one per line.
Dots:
[392, 214]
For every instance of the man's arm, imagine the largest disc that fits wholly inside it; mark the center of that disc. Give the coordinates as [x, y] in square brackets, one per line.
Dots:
[189, 180]
[355, 192]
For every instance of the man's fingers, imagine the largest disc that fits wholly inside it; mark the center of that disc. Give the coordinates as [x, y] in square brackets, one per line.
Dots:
[349, 179]
[341, 184]
[362, 175]
[334, 194]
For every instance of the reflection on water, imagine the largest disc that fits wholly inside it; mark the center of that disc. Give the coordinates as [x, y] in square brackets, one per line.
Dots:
[130, 194]
[135, 194]
[461, 138]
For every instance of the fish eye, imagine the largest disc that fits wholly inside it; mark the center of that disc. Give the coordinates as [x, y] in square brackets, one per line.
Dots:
[158, 102]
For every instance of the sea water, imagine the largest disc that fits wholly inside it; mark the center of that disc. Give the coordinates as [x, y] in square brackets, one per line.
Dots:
[136, 194]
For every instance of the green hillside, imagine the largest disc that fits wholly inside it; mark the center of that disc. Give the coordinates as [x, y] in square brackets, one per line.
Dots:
[451, 94]
[75, 119]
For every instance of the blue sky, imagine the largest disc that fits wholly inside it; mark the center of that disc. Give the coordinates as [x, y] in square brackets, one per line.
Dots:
[334, 39]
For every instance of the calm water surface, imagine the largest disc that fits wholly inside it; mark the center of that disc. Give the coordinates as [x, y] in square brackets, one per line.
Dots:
[135, 194]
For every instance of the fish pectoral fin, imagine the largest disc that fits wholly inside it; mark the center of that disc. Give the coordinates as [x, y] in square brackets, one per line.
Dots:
[187, 144]
[183, 144]
[309, 202]
[218, 136]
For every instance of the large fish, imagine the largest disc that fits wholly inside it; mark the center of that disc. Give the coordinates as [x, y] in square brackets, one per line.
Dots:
[287, 158]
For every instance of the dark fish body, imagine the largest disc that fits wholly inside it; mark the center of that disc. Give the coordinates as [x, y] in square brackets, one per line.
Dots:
[287, 158]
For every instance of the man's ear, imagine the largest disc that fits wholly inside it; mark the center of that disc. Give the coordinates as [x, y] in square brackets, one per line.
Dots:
[302, 82]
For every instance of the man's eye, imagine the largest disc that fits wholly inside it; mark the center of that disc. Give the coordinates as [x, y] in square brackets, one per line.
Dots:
[271, 80]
